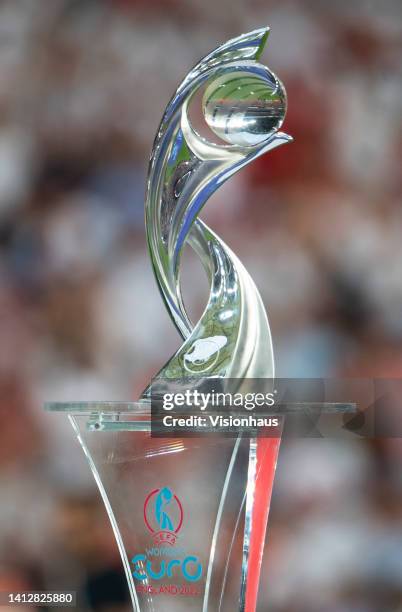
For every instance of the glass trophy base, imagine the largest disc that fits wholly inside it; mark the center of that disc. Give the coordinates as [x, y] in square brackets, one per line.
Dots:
[189, 514]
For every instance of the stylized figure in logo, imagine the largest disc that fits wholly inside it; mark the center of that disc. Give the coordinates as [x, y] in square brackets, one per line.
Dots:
[163, 500]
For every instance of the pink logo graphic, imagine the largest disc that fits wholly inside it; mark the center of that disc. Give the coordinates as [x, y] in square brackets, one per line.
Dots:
[163, 515]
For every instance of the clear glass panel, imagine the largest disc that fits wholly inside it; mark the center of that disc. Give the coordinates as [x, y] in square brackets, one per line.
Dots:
[178, 507]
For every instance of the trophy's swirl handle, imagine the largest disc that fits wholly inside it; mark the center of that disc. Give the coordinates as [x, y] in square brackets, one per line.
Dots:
[244, 103]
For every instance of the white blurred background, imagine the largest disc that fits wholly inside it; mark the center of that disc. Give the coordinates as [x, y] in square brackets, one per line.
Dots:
[318, 223]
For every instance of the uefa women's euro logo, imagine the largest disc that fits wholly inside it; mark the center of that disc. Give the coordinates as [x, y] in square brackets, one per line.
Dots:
[163, 515]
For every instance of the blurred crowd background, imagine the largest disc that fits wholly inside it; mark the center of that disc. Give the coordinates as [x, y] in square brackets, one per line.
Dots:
[318, 223]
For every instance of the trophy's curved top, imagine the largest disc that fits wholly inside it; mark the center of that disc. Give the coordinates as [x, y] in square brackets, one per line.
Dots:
[246, 46]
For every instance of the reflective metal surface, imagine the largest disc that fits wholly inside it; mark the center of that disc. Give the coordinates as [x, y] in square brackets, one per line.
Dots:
[244, 108]
[244, 104]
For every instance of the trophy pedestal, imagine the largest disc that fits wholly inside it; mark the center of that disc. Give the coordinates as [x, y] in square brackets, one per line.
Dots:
[189, 514]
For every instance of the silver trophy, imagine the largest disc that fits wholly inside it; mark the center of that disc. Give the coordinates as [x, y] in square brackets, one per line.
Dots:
[190, 514]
